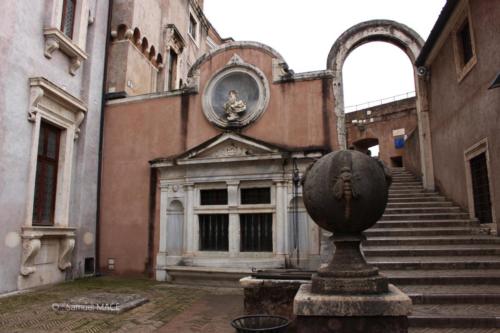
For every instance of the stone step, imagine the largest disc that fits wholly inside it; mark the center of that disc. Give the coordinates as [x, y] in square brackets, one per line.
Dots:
[374, 232]
[457, 298]
[426, 223]
[431, 240]
[435, 263]
[451, 290]
[444, 277]
[434, 251]
[424, 216]
[406, 186]
[415, 199]
[430, 204]
[424, 210]
[410, 195]
[455, 316]
[408, 190]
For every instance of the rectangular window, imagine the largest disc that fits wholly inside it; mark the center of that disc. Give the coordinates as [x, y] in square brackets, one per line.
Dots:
[46, 175]
[256, 232]
[213, 197]
[172, 70]
[214, 232]
[68, 17]
[193, 26]
[258, 195]
[465, 41]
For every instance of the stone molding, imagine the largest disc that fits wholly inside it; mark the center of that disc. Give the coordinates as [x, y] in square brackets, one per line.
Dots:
[41, 88]
[32, 243]
[55, 39]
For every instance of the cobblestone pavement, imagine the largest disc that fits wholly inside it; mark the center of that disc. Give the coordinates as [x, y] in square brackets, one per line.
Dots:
[197, 307]
[176, 309]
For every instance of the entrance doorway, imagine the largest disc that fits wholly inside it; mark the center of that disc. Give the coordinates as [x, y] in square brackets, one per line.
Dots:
[481, 188]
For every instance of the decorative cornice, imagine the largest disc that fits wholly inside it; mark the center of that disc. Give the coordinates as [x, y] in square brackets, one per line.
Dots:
[55, 39]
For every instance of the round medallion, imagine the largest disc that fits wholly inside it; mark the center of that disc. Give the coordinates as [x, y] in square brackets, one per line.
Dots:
[235, 96]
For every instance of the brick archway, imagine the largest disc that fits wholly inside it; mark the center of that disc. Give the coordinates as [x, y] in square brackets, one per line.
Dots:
[409, 42]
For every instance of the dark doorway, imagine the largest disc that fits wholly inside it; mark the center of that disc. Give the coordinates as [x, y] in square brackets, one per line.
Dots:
[397, 162]
[481, 188]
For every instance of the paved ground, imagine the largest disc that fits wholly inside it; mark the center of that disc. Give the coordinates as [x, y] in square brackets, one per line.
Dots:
[170, 309]
[177, 309]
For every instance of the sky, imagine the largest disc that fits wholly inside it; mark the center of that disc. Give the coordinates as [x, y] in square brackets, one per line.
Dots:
[304, 31]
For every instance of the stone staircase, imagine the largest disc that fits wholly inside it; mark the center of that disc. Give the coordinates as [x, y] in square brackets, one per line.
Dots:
[440, 257]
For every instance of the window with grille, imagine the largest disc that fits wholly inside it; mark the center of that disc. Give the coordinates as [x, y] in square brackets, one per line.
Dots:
[258, 195]
[256, 232]
[68, 17]
[481, 188]
[213, 197]
[193, 27]
[46, 175]
[214, 232]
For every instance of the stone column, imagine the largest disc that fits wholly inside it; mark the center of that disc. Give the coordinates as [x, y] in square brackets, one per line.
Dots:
[161, 257]
[190, 220]
[234, 221]
[281, 215]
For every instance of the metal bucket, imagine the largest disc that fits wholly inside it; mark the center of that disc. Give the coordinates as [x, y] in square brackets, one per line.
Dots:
[260, 323]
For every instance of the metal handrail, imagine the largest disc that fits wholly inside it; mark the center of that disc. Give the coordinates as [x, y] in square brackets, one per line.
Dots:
[378, 102]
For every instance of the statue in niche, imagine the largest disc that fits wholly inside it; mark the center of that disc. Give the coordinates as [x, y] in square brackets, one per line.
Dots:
[234, 106]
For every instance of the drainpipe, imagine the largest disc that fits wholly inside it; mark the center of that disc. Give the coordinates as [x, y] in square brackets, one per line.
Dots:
[101, 140]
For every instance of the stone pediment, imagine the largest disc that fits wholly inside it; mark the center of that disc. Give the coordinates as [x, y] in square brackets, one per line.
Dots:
[229, 147]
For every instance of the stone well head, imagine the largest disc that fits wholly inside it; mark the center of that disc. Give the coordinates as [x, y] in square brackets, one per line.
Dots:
[346, 192]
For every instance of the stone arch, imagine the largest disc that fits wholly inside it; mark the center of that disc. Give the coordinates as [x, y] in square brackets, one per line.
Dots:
[136, 36]
[159, 61]
[144, 45]
[121, 31]
[364, 144]
[410, 43]
[152, 53]
[231, 46]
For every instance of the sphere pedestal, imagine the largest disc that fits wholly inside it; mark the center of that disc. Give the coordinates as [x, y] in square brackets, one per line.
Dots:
[376, 313]
[346, 192]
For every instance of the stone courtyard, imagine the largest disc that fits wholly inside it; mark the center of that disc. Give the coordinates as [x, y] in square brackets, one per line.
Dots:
[171, 308]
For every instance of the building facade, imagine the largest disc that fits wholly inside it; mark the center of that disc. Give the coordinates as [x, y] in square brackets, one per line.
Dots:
[154, 43]
[460, 59]
[51, 93]
[206, 177]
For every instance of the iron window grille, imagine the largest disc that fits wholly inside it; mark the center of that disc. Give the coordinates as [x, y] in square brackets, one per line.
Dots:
[68, 17]
[256, 232]
[214, 234]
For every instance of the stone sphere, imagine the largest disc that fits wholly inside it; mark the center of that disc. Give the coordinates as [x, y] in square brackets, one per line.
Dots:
[346, 191]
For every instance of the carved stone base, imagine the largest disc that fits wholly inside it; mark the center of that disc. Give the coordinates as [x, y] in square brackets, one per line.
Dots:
[47, 253]
[383, 313]
[333, 285]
